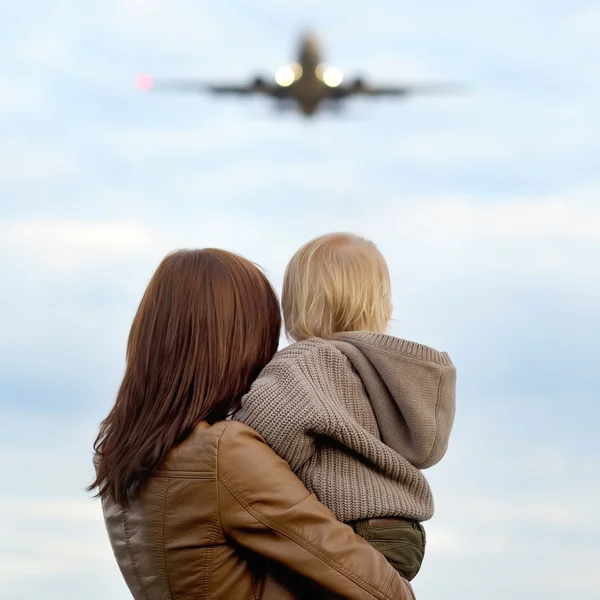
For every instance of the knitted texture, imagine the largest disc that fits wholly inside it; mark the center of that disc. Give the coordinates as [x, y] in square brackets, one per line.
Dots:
[357, 418]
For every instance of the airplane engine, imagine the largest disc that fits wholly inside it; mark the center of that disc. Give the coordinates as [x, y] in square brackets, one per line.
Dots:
[359, 84]
[259, 82]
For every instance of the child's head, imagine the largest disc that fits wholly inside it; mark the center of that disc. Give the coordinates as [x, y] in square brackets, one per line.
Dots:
[334, 283]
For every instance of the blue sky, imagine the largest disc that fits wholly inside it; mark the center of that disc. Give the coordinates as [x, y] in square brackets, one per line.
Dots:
[485, 205]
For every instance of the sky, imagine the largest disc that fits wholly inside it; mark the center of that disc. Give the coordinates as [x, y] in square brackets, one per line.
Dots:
[484, 204]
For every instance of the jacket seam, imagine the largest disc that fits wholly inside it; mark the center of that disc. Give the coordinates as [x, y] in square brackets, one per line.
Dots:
[389, 586]
[217, 479]
[162, 537]
[182, 475]
[208, 569]
[298, 540]
[210, 554]
[217, 527]
[134, 564]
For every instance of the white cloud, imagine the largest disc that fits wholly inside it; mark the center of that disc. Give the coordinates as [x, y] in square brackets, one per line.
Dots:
[517, 510]
[56, 556]
[549, 218]
[141, 144]
[67, 244]
[56, 545]
[24, 162]
[19, 98]
[66, 509]
[184, 27]
[45, 50]
[464, 219]
[452, 149]
[445, 227]
[585, 21]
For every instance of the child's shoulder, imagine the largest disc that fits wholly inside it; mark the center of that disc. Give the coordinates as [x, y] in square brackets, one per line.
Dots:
[314, 355]
[292, 367]
[306, 349]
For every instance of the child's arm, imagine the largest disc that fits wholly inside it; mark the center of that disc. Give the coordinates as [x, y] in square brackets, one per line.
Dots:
[280, 409]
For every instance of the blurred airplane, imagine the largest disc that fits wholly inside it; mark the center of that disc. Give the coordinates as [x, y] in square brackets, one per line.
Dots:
[308, 83]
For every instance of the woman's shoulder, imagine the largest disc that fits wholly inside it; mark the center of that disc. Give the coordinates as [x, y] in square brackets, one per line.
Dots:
[242, 451]
[246, 463]
[236, 434]
[206, 434]
[201, 449]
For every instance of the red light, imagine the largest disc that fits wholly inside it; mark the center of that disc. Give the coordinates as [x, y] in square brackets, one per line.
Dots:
[144, 83]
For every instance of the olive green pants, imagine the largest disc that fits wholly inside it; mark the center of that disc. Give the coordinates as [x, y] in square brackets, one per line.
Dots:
[401, 541]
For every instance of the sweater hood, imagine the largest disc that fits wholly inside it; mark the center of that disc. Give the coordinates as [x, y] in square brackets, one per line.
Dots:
[411, 388]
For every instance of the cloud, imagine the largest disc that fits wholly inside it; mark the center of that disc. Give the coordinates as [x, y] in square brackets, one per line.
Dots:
[188, 27]
[24, 98]
[45, 50]
[548, 218]
[499, 503]
[188, 31]
[585, 20]
[61, 245]
[201, 141]
[25, 163]
[461, 219]
[66, 510]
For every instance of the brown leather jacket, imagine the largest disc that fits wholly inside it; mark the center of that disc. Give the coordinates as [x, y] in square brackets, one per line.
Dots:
[225, 518]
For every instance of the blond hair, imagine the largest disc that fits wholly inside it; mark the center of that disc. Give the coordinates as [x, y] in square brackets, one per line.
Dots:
[334, 283]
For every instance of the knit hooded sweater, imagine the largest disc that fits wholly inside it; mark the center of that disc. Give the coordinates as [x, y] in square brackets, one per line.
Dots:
[357, 418]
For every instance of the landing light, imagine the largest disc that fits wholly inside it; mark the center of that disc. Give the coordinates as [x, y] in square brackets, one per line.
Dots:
[332, 77]
[285, 76]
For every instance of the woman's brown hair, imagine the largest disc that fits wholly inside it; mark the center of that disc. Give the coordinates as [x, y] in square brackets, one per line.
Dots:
[208, 322]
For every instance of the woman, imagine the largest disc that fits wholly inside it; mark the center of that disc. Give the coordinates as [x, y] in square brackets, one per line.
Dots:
[197, 506]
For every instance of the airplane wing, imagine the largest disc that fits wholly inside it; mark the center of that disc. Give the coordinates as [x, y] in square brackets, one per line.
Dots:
[359, 88]
[256, 86]
[197, 86]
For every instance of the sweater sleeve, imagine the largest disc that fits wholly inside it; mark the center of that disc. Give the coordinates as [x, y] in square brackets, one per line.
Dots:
[280, 408]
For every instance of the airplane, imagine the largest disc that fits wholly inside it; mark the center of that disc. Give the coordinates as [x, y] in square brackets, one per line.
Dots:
[308, 83]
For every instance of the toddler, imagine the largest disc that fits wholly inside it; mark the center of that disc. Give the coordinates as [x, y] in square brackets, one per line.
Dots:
[357, 413]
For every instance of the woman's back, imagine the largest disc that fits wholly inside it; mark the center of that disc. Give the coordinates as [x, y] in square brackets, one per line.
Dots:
[167, 540]
[218, 513]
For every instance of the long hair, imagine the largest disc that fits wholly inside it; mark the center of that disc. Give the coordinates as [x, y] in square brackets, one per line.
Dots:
[208, 322]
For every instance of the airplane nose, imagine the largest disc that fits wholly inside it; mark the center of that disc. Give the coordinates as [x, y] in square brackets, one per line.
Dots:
[311, 40]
